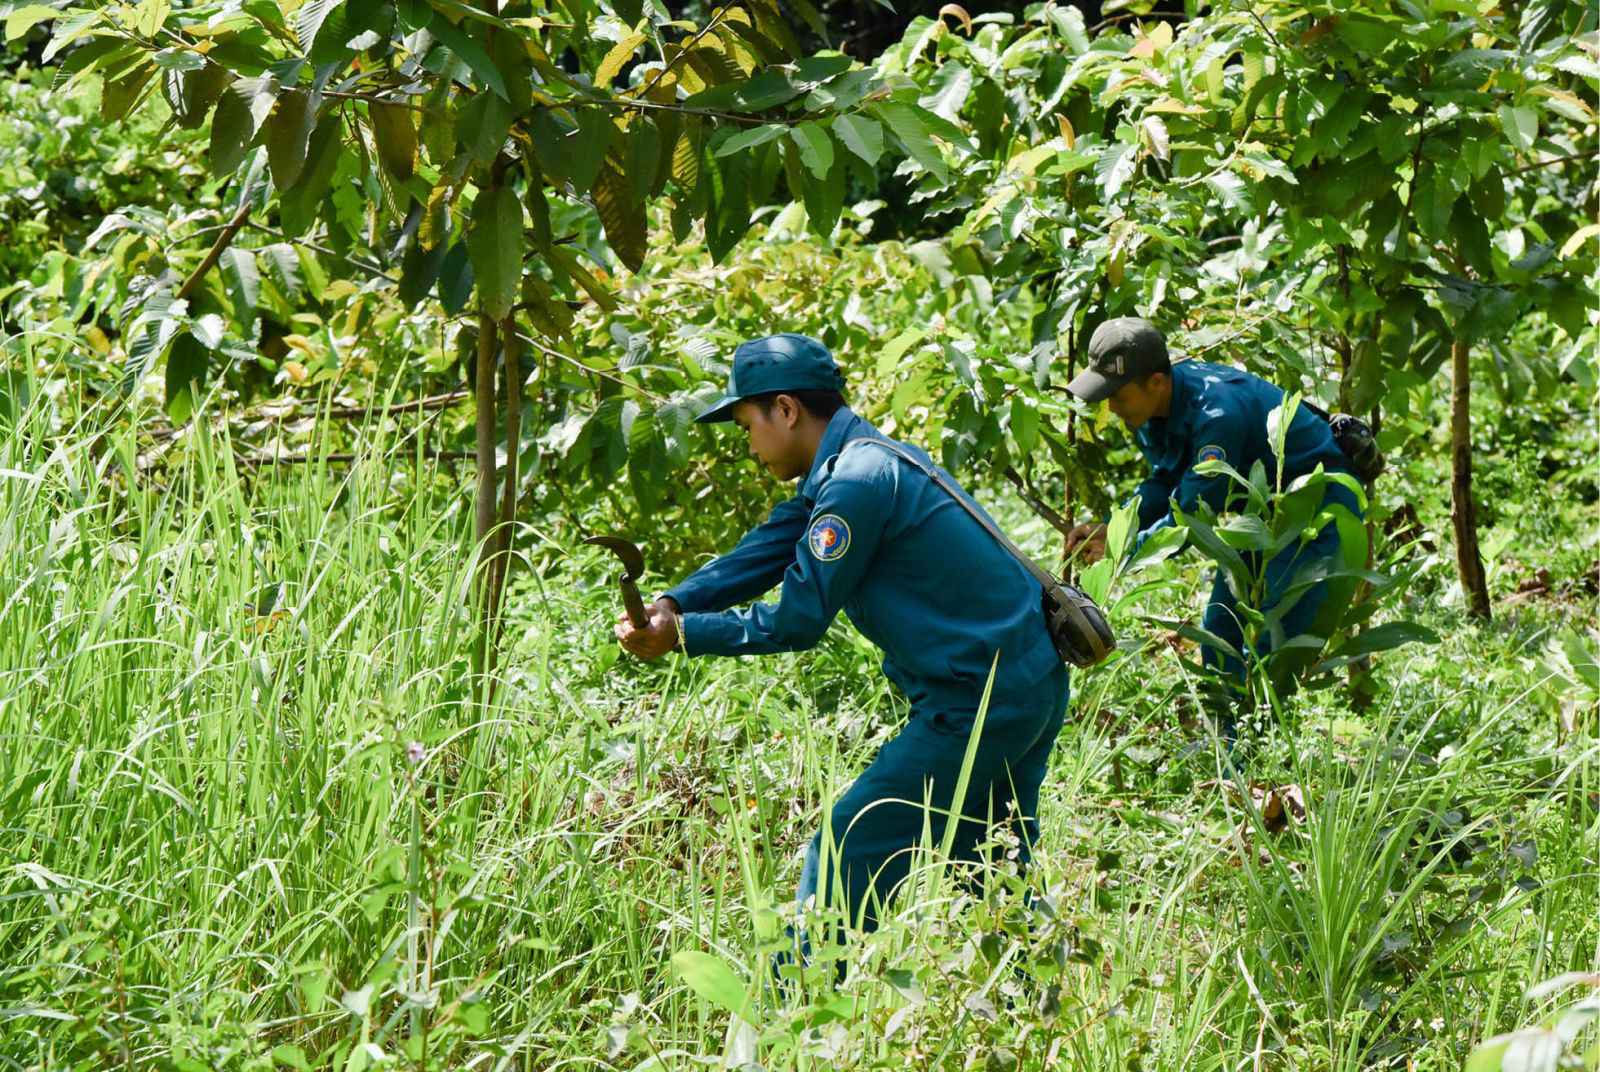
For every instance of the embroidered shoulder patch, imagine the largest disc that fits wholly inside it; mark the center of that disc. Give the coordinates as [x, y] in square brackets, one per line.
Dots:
[829, 537]
[1212, 453]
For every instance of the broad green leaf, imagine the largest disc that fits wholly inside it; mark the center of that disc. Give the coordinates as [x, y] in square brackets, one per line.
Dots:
[582, 276]
[119, 95]
[1245, 533]
[395, 137]
[419, 268]
[494, 242]
[186, 375]
[287, 134]
[471, 53]
[748, 137]
[641, 157]
[1532, 1050]
[1024, 424]
[25, 18]
[1521, 125]
[766, 90]
[69, 30]
[208, 330]
[482, 124]
[152, 330]
[911, 129]
[952, 85]
[1068, 22]
[1230, 189]
[243, 280]
[309, 19]
[292, 1056]
[1576, 240]
[861, 135]
[816, 148]
[150, 15]
[824, 198]
[725, 184]
[590, 143]
[192, 93]
[890, 356]
[298, 206]
[93, 54]
[283, 268]
[455, 279]
[1487, 1056]
[713, 980]
[622, 217]
[1160, 546]
[549, 145]
[1385, 637]
[1215, 548]
[1115, 167]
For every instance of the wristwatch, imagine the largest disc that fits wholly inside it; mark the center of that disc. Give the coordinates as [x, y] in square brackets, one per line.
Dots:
[677, 623]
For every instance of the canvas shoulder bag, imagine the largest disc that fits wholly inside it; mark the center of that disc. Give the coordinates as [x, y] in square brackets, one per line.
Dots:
[1076, 624]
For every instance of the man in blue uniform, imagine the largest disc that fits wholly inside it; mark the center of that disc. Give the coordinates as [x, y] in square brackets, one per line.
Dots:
[871, 535]
[1185, 413]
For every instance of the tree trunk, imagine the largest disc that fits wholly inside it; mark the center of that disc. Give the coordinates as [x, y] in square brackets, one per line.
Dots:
[484, 514]
[1469, 563]
[1072, 428]
[508, 497]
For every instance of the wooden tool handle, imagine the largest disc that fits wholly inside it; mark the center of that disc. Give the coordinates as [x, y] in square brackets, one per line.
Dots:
[632, 603]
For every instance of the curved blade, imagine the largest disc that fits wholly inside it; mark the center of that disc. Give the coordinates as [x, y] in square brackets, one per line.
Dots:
[632, 559]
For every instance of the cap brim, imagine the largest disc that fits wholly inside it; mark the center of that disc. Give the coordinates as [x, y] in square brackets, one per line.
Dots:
[721, 410]
[1092, 386]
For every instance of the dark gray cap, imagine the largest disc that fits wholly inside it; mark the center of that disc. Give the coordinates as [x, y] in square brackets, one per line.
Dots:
[1120, 350]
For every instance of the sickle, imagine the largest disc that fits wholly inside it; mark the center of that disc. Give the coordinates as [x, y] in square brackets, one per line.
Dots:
[632, 566]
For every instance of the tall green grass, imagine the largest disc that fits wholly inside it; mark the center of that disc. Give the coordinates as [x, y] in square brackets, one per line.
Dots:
[251, 818]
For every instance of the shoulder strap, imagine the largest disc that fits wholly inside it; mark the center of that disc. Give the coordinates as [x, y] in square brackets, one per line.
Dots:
[1040, 574]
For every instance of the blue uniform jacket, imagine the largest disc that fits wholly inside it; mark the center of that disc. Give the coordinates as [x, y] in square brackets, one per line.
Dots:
[1220, 412]
[872, 536]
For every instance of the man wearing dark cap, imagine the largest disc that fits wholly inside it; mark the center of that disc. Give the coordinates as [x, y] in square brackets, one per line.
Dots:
[1193, 411]
[872, 535]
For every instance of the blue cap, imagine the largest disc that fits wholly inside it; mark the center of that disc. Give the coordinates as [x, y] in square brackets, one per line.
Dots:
[785, 362]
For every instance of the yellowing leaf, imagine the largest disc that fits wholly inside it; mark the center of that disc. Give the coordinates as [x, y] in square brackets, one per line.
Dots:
[624, 220]
[619, 54]
[1579, 237]
[959, 13]
[395, 137]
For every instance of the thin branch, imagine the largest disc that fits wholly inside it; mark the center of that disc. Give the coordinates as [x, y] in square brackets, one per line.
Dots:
[325, 251]
[373, 99]
[215, 252]
[1112, 20]
[683, 50]
[1590, 155]
[443, 401]
[543, 349]
[339, 458]
[709, 113]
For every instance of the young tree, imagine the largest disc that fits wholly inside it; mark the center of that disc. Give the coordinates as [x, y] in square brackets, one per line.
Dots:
[500, 158]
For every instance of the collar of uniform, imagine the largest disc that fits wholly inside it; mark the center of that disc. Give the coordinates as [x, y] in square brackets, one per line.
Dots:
[1156, 429]
[843, 426]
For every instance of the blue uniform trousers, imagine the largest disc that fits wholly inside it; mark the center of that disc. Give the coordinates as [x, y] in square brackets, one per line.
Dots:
[879, 820]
